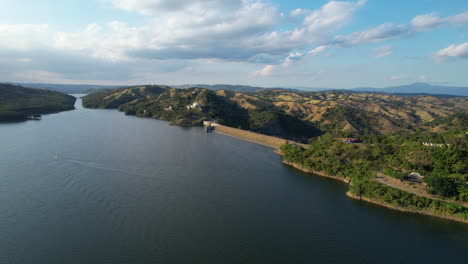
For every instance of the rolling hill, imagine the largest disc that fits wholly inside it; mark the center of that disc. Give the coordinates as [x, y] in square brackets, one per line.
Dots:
[17, 102]
[290, 114]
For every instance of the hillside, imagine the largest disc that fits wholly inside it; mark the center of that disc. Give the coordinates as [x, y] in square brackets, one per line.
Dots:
[193, 106]
[288, 113]
[215, 87]
[67, 88]
[359, 112]
[17, 102]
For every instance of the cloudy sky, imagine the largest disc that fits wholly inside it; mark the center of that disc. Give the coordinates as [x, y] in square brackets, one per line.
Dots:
[303, 43]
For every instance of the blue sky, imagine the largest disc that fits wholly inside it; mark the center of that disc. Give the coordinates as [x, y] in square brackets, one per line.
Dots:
[336, 44]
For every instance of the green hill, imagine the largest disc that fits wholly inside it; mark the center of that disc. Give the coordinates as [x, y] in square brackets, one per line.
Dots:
[290, 114]
[17, 102]
[193, 106]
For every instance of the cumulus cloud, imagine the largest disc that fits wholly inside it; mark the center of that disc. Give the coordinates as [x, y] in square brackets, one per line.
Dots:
[216, 34]
[331, 16]
[452, 51]
[247, 31]
[382, 51]
[238, 31]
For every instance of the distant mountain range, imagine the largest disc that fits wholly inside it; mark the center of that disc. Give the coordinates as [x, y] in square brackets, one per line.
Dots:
[67, 88]
[419, 88]
[216, 87]
[415, 88]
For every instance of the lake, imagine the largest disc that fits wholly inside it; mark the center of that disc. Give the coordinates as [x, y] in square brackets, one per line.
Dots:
[96, 186]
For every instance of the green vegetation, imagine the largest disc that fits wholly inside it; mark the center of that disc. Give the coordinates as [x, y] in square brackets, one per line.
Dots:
[177, 106]
[445, 168]
[17, 103]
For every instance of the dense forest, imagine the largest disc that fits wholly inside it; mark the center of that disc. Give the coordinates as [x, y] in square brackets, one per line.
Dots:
[18, 103]
[444, 165]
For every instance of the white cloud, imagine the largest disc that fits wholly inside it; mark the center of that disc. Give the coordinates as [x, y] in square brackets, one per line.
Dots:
[382, 51]
[266, 71]
[152, 7]
[388, 31]
[232, 30]
[430, 21]
[247, 31]
[299, 12]
[23, 36]
[331, 16]
[453, 51]
[218, 34]
[318, 50]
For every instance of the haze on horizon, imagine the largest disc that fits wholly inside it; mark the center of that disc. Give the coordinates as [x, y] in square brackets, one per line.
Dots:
[333, 44]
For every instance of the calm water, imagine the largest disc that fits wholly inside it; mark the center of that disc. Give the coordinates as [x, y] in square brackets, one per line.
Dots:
[134, 190]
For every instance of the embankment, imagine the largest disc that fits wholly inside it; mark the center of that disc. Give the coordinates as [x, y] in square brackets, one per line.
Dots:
[269, 141]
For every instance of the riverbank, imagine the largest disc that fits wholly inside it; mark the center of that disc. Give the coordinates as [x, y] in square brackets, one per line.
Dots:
[375, 201]
[404, 209]
[302, 168]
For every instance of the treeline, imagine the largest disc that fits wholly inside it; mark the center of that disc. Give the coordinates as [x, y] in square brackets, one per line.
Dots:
[17, 103]
[396, 155]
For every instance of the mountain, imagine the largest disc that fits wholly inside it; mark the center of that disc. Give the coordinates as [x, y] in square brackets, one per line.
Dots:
[290, 114]
[412, 89]
[17, 102]
[67, 88]
[215, 87]
[419, 88]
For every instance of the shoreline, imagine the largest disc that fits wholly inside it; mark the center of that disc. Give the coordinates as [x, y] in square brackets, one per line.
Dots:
[319, 173]
[406, 210]
[244, 136]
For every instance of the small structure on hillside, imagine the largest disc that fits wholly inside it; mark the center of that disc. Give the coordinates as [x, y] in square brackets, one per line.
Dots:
[195, 105]
[415, 177]
[430, 144]
[350, 140]
[169, 108]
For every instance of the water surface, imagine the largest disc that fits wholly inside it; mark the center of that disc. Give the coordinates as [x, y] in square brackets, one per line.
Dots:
[96, 186]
